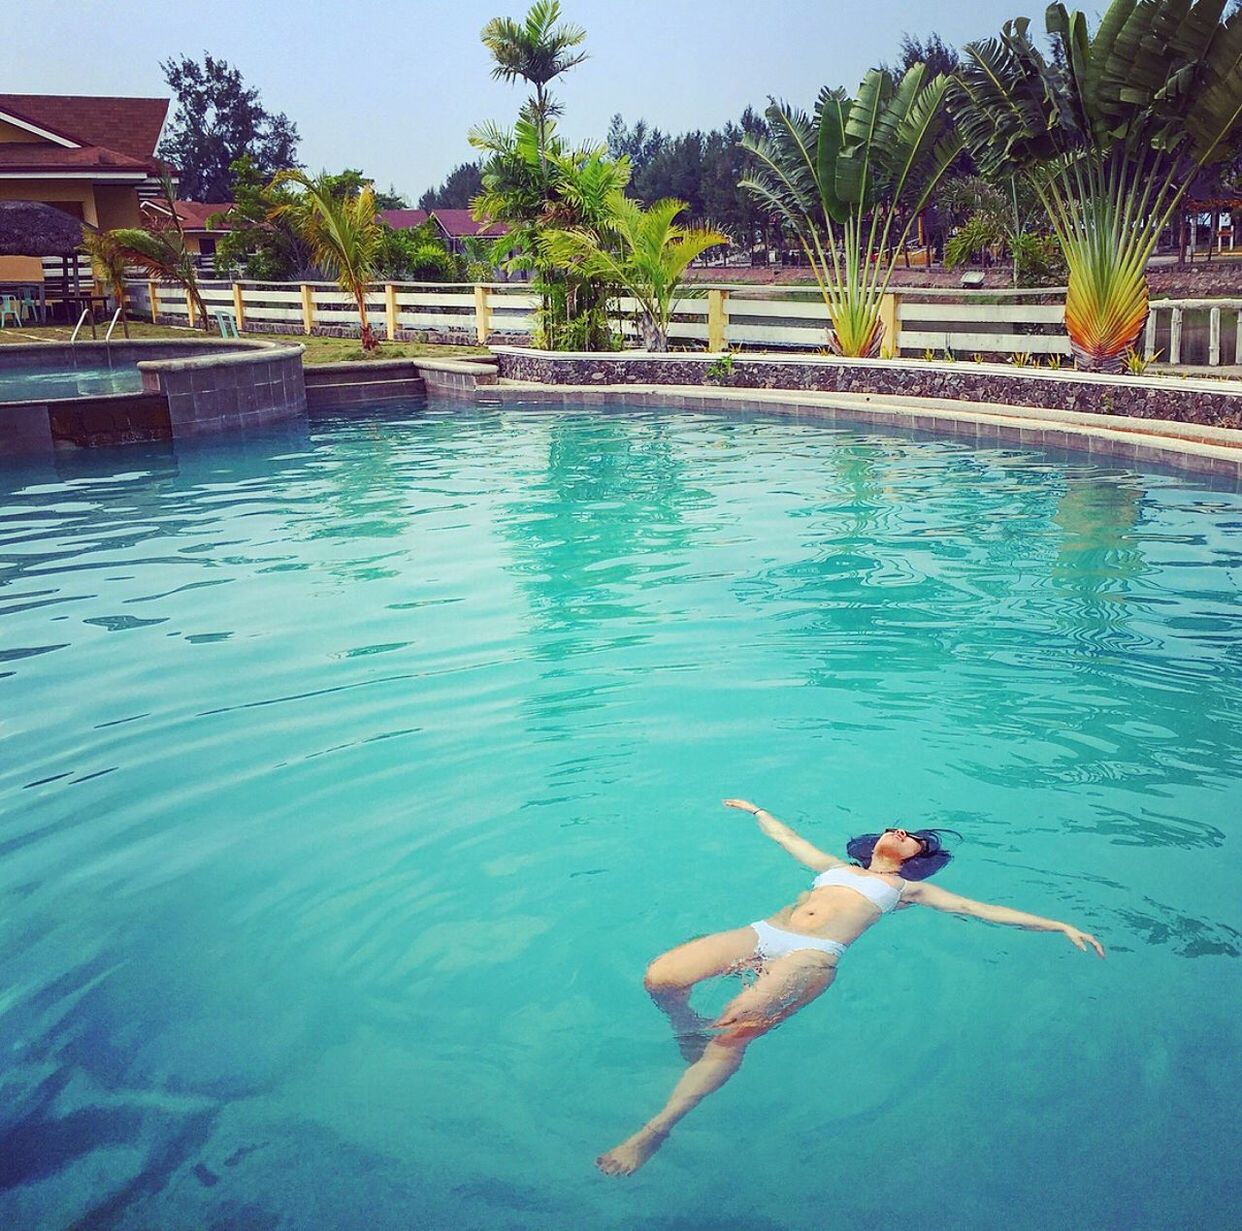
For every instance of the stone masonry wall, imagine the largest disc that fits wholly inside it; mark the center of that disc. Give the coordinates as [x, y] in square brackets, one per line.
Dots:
[1140, 397]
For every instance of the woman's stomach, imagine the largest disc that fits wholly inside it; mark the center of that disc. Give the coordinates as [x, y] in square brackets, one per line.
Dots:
[827, 919]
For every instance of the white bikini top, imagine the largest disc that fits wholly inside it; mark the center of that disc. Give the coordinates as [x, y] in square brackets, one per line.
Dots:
[879, 892]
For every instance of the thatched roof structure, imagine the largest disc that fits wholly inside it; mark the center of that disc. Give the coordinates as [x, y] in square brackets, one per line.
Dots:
[30, 228]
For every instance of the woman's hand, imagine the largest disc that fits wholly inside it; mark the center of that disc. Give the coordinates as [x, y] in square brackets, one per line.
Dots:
[1082, 939]
[743, 805]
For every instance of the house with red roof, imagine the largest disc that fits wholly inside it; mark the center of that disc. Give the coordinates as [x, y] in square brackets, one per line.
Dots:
[456, 225]
[193, 216]
[92, 157]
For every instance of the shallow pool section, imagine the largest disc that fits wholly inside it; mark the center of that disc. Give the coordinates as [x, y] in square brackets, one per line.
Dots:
[352, 775]
[27, 384]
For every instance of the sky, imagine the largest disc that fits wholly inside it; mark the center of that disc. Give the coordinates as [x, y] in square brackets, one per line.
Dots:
[392, 87]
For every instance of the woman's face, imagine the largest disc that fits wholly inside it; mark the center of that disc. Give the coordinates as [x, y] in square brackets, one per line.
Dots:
[898, 844]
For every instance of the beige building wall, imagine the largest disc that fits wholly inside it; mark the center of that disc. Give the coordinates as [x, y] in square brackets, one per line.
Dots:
[80, 193]
[10, 132]
[116, 206]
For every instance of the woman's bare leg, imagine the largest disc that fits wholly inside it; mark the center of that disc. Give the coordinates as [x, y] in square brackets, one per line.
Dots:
[782, 989]
[672, 976]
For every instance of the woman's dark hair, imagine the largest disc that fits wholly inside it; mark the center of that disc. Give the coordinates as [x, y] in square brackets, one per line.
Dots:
[928, 863]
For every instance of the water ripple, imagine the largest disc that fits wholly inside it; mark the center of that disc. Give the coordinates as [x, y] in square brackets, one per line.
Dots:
[354, 842]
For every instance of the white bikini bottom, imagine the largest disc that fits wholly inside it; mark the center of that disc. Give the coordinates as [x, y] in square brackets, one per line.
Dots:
[773, 942]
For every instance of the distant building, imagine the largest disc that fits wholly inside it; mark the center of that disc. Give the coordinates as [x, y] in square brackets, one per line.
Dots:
[92, 157]
[456, 225]
[193, 217]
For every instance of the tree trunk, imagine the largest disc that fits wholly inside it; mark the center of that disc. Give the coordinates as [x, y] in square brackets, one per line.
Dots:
[369, 341]
[1101, 339]
[870, 349]
[654, 338]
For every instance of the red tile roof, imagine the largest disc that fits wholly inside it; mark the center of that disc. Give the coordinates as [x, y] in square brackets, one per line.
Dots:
[193, 214]
[455, 223]
[460, 222]
[401, 219]
[128, 125]
[49, 159]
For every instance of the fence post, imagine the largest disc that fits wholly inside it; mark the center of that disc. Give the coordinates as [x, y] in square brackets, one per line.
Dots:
[890, 319]
[482, 314]
[717, 318]
[1214, 338]
[189, 308]
[153, 296]
[308, 308]
[239, 307]
[1237, 344]
[1175, 337]
[390, 309]
[1149, 336]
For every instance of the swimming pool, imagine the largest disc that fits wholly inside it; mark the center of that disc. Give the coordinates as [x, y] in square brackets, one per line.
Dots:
[67, 381]
[352, 776]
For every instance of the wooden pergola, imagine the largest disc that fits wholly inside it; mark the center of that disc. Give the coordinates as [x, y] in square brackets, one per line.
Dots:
[31, 228]
[1186, 228]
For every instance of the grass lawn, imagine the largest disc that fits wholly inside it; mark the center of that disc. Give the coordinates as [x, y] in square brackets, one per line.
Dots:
[318, 350]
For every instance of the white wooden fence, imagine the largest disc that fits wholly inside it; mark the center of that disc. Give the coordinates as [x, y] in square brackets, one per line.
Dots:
[989, 322]
[466, 311]
[1175, 337]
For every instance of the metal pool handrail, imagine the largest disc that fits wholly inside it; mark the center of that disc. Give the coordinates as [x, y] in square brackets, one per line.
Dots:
[115, 317]
[74, 336]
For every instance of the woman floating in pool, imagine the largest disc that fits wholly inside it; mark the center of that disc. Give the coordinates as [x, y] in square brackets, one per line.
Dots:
[795, 953]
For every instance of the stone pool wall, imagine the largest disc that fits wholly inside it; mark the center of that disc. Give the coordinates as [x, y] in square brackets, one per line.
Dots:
[108, 419]
[190, 387]
[262, 384]
[1213, 403]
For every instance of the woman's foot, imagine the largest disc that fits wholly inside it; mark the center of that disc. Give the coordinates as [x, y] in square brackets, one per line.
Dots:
[626, 1158]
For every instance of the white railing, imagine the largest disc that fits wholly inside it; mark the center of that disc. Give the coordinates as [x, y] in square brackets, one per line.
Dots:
[1177, 328]
[469, 311]
[992, 322]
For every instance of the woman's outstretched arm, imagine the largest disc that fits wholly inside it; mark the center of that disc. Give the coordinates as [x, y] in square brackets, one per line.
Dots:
[952, 903]
[781, 834]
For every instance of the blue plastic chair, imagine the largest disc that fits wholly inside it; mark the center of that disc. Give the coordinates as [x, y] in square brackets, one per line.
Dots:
[9, 307]
[30, 307]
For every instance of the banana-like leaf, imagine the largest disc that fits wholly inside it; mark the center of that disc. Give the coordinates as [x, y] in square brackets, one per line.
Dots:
[1112, 139]
[849, 183]
[832, 112]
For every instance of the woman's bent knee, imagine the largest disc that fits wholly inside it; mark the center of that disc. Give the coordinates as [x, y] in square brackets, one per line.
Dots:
[662, 975]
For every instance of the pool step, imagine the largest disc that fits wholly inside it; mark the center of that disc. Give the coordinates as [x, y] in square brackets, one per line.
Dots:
[355, 384]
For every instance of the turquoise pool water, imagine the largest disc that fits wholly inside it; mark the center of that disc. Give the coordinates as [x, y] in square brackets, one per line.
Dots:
[351, 777]
[25, 384]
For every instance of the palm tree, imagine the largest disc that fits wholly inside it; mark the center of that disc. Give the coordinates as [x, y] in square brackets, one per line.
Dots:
[850, 181]
[536, 50]
[1111, 132]
[164, 255]
[533, 191]
[647, 255]
[108, 267]
[343, 233]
